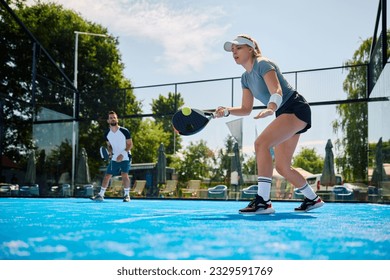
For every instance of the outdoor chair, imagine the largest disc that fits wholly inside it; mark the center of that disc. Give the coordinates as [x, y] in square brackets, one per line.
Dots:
[170, 188]
[219, 191]
[384, 191]
[192, 189]
[66, 190]
[138, 188]
[114, 191]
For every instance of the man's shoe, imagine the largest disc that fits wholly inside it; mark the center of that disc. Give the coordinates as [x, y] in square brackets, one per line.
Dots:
[309, 204]
[97, 197]
[258, 206]
[126, 198]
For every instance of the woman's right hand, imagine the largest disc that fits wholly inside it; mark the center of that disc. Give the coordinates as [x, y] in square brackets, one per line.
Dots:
[220, 112]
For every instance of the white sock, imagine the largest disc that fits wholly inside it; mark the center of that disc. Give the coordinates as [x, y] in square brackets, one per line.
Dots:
[307, 191]
[127, 191]
[102, 191]
[264, 189]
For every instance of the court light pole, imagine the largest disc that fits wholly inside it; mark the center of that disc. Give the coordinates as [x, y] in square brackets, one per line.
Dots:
[75, 125]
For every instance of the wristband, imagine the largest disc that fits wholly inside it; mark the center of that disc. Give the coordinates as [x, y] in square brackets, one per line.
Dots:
[277, 99]
[226, 112]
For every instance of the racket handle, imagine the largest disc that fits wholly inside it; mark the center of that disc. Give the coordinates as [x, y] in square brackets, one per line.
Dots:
[211, 116]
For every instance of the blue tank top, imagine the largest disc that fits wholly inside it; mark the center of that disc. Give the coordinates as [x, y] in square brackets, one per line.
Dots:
[254, 81]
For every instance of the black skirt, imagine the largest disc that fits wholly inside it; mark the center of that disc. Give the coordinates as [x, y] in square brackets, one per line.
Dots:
[298, 106]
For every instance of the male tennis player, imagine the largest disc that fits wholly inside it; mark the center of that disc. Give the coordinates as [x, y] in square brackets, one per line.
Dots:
[119, 144]
[264, 81]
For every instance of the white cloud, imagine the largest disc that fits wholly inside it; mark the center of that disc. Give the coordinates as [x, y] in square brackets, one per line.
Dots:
[182, 38]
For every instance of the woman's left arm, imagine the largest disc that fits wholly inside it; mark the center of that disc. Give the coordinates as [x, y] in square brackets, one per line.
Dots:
[273, 85]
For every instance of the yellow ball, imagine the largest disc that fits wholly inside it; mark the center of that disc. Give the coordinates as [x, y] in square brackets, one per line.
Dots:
[186, 111]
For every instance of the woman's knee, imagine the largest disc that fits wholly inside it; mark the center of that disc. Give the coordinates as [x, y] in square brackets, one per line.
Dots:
[261, 144]
[283, 169]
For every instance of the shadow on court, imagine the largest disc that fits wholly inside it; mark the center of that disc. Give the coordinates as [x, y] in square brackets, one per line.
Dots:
[258, 218]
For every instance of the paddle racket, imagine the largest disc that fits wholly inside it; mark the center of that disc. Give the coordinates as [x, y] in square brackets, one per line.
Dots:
[104, 153]
[188, 121]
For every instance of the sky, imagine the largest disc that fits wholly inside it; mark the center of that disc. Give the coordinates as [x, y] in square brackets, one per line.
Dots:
[182, 40]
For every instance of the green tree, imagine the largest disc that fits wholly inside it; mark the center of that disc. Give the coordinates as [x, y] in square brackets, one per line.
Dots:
[15, 81]
[195, 162]
[100, 76]
[164, 108]
[250, 166]
[353, 118]
[147, 141]
[309, 160]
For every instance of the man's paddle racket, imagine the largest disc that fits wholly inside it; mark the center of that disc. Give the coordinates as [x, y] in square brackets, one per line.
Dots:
[104, 153]
[188, 121]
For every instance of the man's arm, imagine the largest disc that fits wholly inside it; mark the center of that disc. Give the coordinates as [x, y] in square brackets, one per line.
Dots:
[129, 145]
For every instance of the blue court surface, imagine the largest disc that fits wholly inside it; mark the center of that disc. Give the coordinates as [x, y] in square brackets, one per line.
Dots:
[81, 229]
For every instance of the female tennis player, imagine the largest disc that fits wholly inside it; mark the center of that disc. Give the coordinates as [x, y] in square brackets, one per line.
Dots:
[264, 81]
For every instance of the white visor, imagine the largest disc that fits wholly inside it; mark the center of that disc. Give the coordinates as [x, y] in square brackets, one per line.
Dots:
[239, 41]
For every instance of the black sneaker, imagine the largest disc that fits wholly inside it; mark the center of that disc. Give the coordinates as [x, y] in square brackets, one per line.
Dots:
[97, 197]
[309, 204]
[258, 206]
[126, 198]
